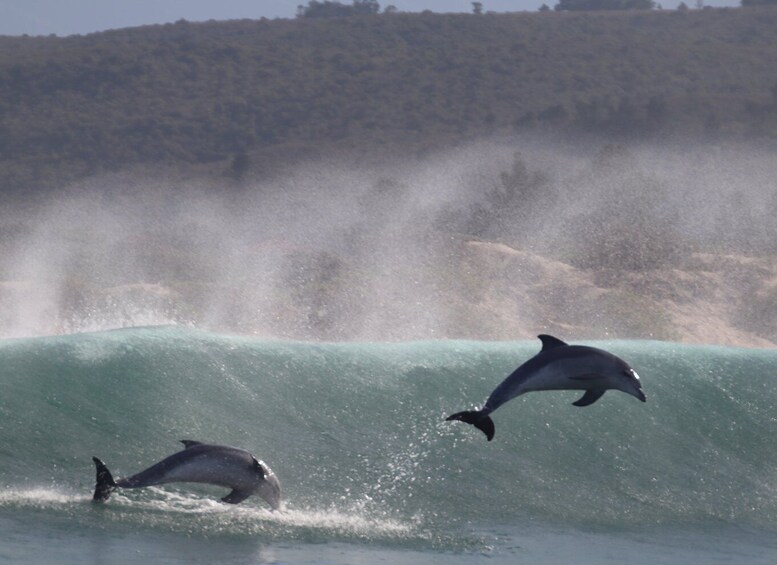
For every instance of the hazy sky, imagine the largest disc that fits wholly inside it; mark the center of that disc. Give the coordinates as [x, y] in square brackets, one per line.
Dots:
[67, 17]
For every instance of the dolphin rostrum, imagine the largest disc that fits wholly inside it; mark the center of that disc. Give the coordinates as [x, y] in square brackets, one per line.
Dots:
[559, 366]
[201, 463]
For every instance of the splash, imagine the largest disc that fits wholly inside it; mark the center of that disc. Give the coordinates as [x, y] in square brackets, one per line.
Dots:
[176, 511]
[40, 498]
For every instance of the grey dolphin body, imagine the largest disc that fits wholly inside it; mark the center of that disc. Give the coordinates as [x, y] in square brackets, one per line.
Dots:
[218, 465]
[559, 366]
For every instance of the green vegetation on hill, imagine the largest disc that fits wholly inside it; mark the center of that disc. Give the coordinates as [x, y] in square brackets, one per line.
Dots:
[594, 5]
[232, 92]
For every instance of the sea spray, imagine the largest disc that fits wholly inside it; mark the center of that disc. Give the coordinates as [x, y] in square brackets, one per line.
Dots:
[497, 240]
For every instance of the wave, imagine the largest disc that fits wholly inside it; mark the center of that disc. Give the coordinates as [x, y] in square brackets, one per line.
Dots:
[356, 433]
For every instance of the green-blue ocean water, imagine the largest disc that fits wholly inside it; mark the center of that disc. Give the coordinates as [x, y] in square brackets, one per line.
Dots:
[370, 469]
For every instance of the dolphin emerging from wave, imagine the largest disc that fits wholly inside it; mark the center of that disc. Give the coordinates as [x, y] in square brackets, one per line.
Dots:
[559, 366]
[201, 463]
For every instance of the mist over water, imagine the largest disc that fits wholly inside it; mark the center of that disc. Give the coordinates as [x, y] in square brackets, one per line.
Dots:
[378, 250]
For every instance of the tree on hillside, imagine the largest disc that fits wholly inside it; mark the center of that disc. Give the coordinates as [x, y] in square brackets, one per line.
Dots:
[329, 9]
[366, 7]
[593, 5]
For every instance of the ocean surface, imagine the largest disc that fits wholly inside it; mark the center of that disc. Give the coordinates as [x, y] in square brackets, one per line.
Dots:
[371, 472]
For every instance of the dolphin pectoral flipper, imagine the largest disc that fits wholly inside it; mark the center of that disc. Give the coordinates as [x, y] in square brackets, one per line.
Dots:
[481, 421]
[237, 496]
[590, 396]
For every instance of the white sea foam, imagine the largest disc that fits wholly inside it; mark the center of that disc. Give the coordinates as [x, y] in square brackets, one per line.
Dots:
[176, 510]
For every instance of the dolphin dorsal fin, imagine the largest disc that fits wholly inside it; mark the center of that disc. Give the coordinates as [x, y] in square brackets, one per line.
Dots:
[187, 443]
[549, 342]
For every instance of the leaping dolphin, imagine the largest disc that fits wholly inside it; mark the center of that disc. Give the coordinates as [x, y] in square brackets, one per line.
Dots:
[559, 366]
[201, 463]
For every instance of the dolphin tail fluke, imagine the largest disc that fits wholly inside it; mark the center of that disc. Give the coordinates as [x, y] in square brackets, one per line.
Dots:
[104, 484]
[481, 421]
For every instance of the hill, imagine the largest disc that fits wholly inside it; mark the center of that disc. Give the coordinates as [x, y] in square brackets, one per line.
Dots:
[246, 95]
[396, 176]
